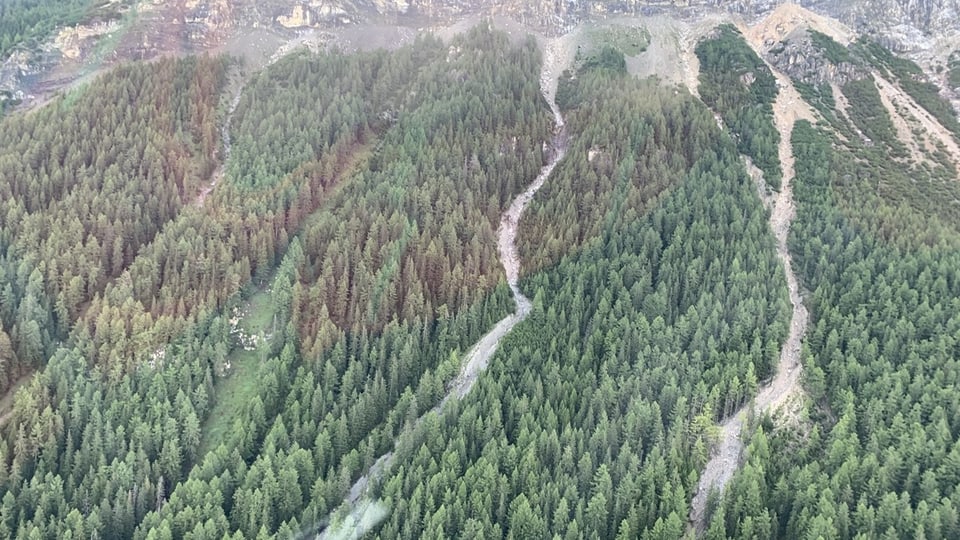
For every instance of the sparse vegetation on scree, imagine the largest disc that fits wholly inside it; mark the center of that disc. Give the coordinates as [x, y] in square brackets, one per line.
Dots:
[913, 81]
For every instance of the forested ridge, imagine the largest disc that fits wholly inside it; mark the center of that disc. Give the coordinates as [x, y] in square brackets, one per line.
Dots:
[598, 416]
[878, 459]
[89, 182]
[738, 85]
[875, 242]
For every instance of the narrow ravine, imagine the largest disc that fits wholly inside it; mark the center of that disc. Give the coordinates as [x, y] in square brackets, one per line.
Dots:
[788, 108]
[227, 147]
[359, 511]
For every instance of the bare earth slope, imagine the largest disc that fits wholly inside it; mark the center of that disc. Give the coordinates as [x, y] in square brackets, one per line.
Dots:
[895, 98]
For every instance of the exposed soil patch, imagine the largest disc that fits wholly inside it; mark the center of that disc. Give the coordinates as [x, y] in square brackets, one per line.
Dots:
[788, 17]
[218, 173]
[896, 100]
[665, 50]
[253, 46]
[670, 55]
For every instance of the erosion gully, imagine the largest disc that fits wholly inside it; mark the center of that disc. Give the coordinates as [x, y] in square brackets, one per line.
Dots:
[726, 458]
[360, 512]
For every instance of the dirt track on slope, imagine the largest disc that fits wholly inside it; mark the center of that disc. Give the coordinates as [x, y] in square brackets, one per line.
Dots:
[227, 147]
[483, 351]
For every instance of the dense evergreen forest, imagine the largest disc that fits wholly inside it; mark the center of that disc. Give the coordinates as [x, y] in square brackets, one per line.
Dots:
[90, 182]
[227, 366]
[876, 243]
[878, 459]
[598, 416]
[738, 85]
[378, 216]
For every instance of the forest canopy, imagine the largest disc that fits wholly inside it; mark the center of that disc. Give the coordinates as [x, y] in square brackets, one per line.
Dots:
[224, 304]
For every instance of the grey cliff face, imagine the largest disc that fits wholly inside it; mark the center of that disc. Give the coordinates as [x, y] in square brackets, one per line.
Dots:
[165, 26]
[926, 16]
[797, 57]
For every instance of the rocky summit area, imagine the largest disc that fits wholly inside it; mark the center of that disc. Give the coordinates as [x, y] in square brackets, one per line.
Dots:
[925, 16]
[909, 16]
[926, 30]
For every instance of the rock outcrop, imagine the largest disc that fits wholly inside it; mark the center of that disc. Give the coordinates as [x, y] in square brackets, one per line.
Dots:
[916, 27]
[907, 16]
[799, 58]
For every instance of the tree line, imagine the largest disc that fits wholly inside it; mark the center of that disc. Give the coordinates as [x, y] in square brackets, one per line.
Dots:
[739, 87]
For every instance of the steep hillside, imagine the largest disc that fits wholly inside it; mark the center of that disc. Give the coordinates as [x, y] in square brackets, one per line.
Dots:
[385, 268]
[881, 156]
[597, 413]
[688, 272]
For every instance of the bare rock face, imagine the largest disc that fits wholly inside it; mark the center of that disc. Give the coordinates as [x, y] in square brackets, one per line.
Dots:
[71, 41]
[203, 22]
[928, 16]
[184, 26]
[393, 6]
[216, 16]
[19, 66]
[301, 16]
[801, 60]
[316, 13]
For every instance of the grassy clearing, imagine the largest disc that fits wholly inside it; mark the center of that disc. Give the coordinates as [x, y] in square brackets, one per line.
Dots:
[240, 385]
[259, 313]
[237, 388]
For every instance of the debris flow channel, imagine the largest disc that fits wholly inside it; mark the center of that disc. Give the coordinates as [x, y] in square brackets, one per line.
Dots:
[359, 512]
[788, 108]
